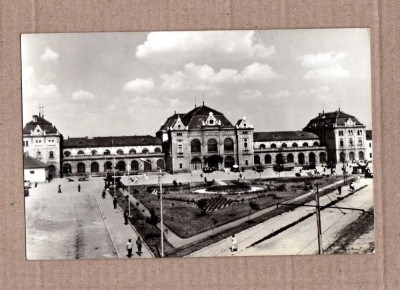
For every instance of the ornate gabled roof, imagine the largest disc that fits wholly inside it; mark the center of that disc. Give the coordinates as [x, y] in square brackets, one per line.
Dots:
[38, 120]
[32, 163]
[194, 119]
[116, 141]
[284, 136]
[332, 119]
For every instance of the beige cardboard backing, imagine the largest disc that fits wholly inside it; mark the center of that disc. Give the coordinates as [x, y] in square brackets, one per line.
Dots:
[306, 272]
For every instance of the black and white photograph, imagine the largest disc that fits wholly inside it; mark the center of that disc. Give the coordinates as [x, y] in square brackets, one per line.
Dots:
[197, 143]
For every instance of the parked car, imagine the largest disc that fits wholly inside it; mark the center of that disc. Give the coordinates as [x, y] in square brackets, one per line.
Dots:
[283, 167]
[258, 168]
[209, 169]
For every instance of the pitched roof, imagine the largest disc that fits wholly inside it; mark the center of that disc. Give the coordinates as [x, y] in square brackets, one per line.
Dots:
[194, 118]
[284, 136]
[31, 163]
[328, 120]
[84, 142]
[368, 134]
[38, 120]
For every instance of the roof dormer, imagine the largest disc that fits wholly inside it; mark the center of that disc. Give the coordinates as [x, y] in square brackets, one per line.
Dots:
[243, 124]
[211, 120]
[178, 125]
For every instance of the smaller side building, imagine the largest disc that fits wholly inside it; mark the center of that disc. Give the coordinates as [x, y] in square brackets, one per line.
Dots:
[108, 154]
[368, 148]
[34, 170]
[295, 147]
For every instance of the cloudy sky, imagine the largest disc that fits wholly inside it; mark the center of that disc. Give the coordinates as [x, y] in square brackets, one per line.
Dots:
[102, 84]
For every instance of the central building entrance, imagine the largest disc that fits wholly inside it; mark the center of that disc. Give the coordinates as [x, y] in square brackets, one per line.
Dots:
[214, 161]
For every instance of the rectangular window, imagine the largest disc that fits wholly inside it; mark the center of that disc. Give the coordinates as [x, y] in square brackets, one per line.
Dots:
[32, 172]
[51, 154]
[370, 155]
[180, 165]
[370, 145]
[179, 134]
[247, 162]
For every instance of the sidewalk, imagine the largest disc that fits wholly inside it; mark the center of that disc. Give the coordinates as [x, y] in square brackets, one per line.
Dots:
[114, 221]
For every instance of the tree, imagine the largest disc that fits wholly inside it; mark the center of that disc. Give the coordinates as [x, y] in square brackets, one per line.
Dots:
[253, 206]
[153, 219]
[202, 205]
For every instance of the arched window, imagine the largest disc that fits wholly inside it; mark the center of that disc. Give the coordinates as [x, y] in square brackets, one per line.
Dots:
[107, 152]
[228, 145]
[279, 159]
[157, 150]
[81, 152]
[195, 146]
[257, 160]
[300, 158]
[229, 162]
[196, 164]
[311, 158]
[284, 145]
[93, 152]
[67, 153]
[322, 157]
[295, 145]
[120, 152]
[147, 165]
[360, 155]
[107, 166]
[67, 169]
[132, 151]
[212, 146]
[273, 145]
[315, 144]
[351, 156]
[81, 168]
[342, 157]
[262, 146]
[145, 150]
[160, 164]
[121, 166]
[135, 165]
[94, 167]
[305, 144]
[268, 159]
[290, 158]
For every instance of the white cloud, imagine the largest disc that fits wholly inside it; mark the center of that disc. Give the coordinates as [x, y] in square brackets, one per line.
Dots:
[322, 59]
[336, 71]
[82, 96]
[49, 55]
[174, 81]
[204, 77]
[248, 95]
[167, 44]
[324, 65]
[323, 93]
[27, 74]
[139, 85]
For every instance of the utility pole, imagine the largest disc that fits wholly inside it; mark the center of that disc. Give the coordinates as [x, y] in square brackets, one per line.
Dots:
[318, 214]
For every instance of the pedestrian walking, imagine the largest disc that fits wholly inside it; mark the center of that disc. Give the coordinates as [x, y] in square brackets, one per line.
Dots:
[139, 244]
[234, 247]
[35, 184]
[339, 188]
[129, 248]
[103, 194]
[59, 188]
[126, 215]
[79, 188]
[351, 186]
[115, 202]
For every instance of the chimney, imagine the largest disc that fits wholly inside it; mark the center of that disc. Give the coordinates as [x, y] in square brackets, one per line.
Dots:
[35, 118]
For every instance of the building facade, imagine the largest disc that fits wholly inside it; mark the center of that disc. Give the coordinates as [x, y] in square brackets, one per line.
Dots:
[42, 141]
[112, 154]
[294, 147]
[200, 138]
[204, 137]
[343, 135]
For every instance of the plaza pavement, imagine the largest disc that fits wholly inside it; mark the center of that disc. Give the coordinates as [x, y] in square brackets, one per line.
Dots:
[300, 239]
[75, 225]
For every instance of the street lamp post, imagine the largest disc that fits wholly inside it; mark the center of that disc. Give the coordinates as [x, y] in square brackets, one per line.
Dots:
[161, 208]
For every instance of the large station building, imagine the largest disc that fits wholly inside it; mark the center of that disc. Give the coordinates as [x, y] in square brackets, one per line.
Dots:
[202, 137]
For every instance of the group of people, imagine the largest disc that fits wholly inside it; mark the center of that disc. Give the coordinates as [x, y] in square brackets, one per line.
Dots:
[129, 247]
